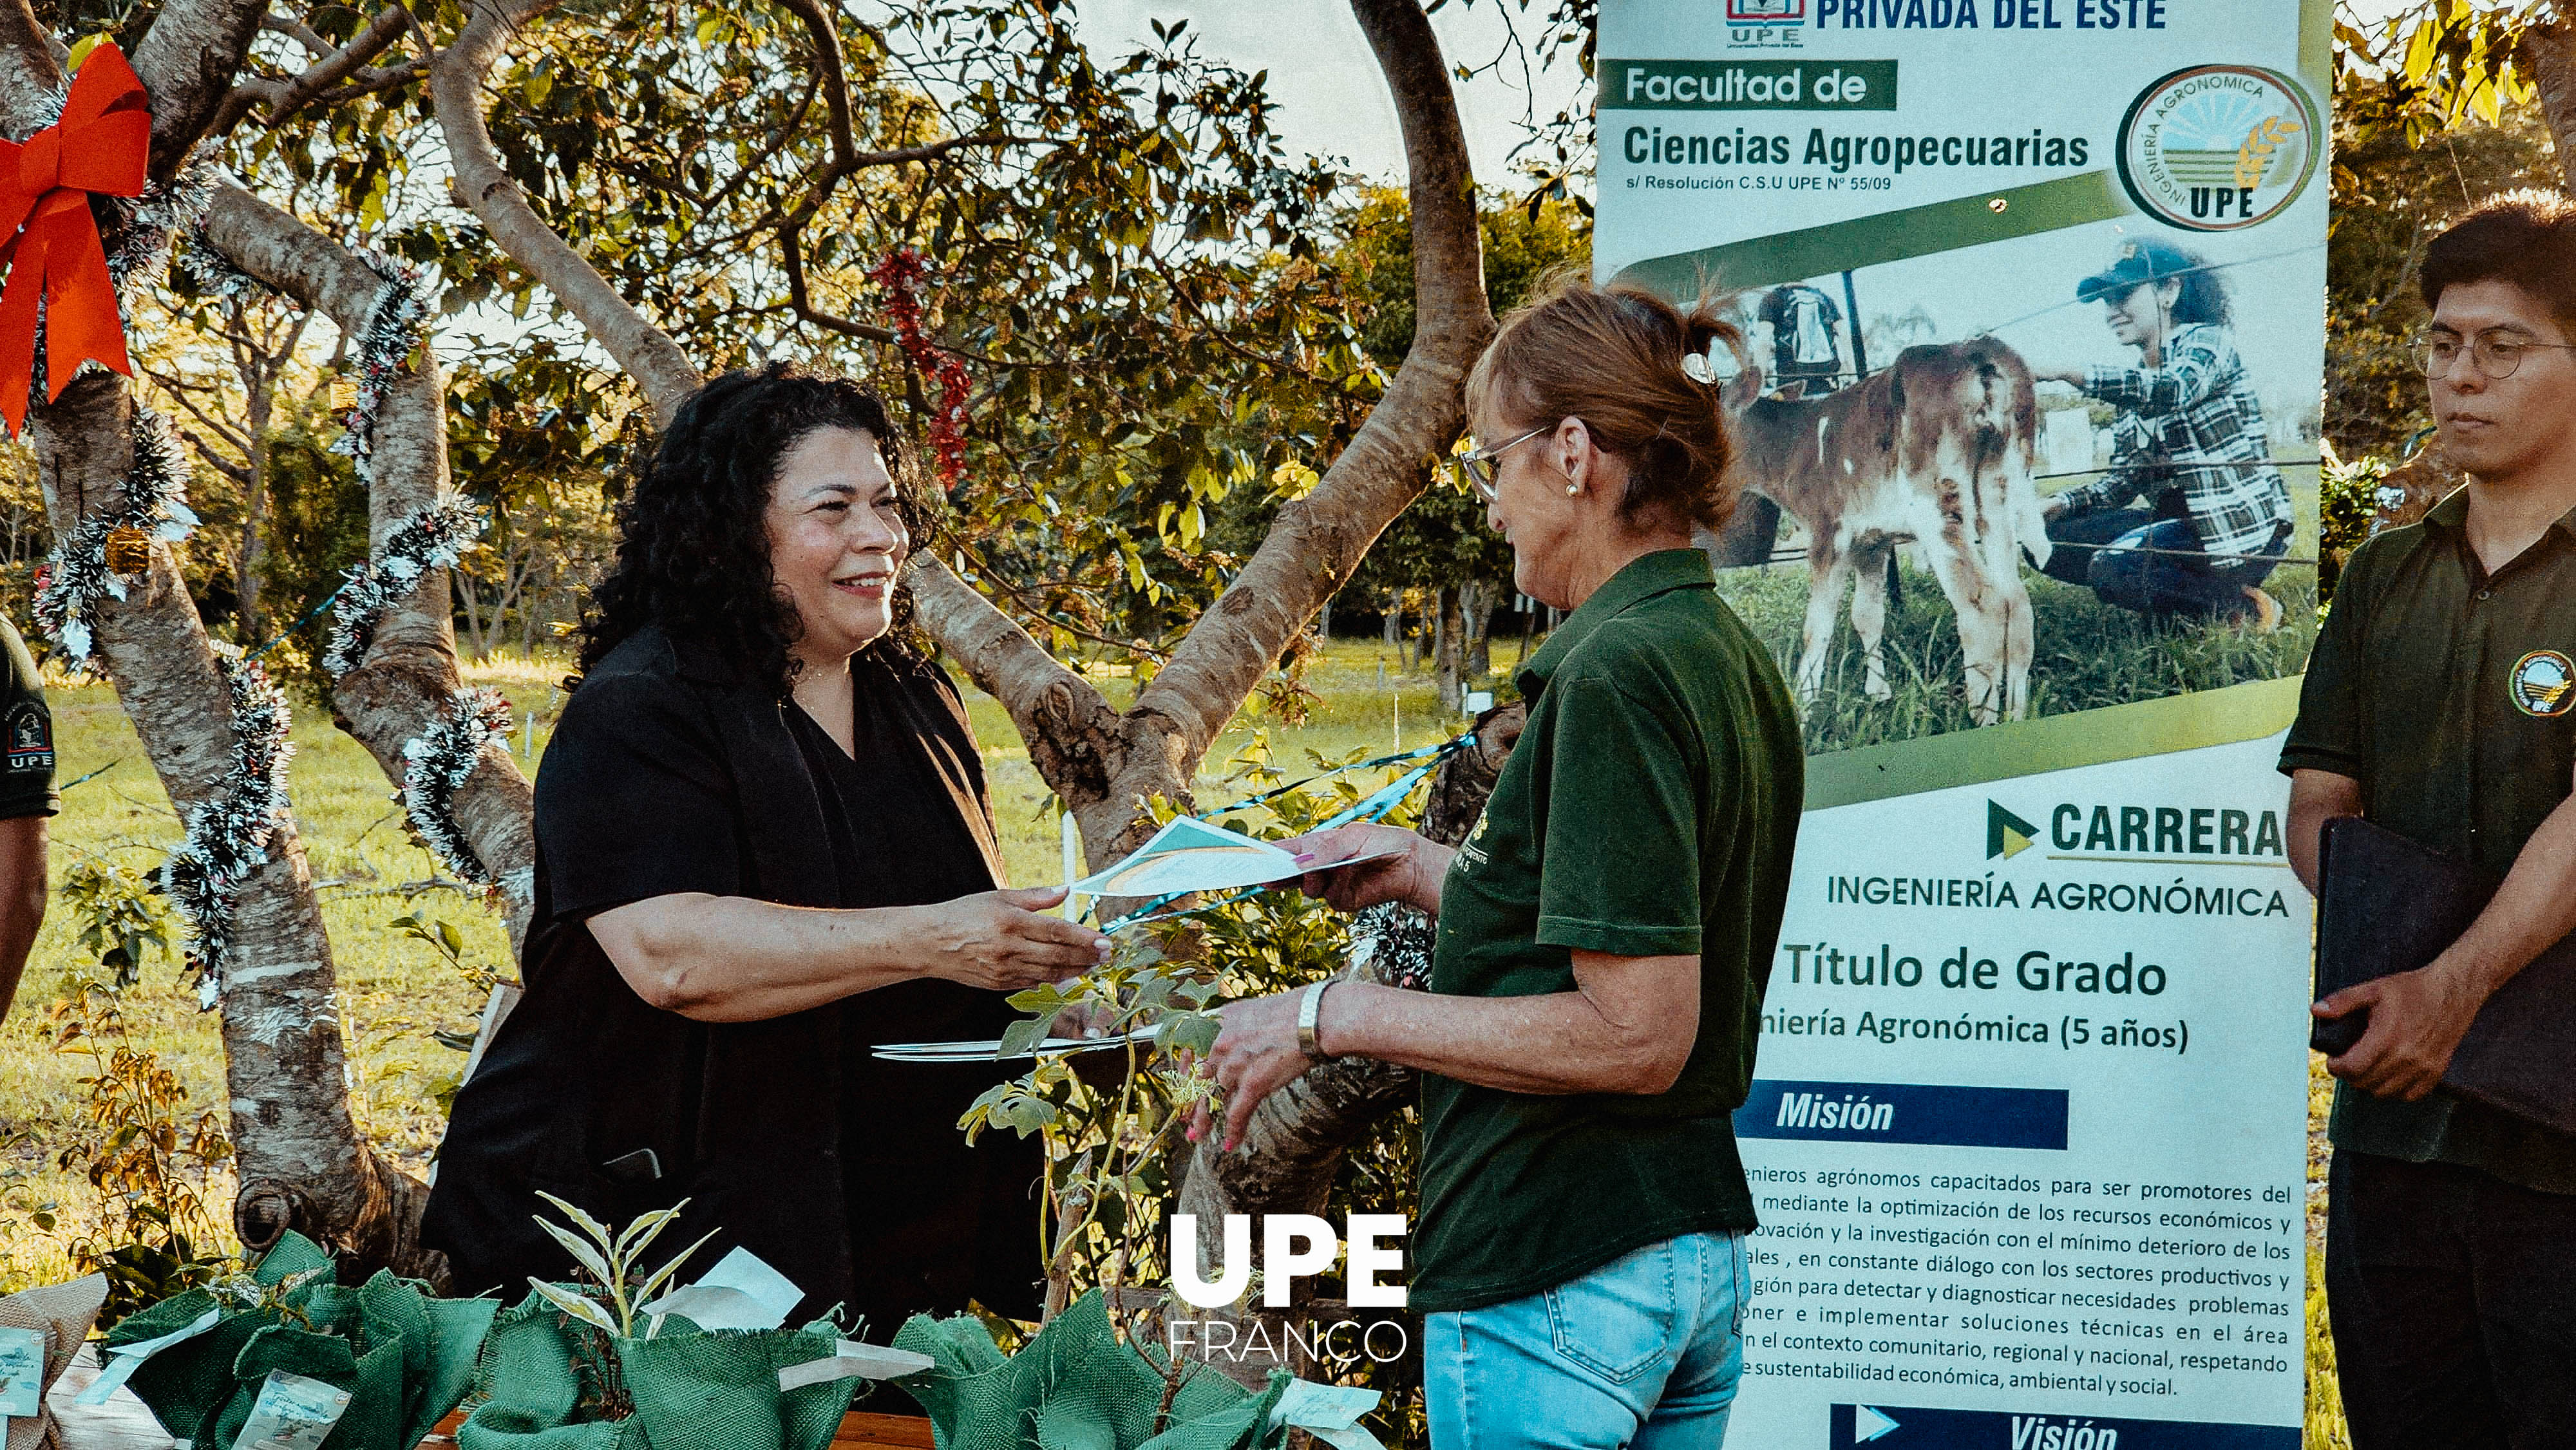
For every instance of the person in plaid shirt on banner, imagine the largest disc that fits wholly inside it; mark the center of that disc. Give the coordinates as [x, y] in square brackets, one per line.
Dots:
[2189, 439]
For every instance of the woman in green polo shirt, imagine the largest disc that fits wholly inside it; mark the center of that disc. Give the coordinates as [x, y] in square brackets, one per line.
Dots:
[1605, 930]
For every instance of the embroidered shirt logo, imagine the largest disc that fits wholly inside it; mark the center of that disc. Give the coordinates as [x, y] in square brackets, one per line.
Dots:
[31, 739]
[1474, 853]
[2543, 683]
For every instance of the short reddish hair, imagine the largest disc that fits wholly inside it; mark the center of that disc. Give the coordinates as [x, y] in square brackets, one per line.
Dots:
[1612, 356]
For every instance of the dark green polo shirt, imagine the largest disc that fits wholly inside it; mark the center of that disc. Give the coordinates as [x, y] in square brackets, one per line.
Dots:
[26, 734]
[2445, 691]
[1649, 809]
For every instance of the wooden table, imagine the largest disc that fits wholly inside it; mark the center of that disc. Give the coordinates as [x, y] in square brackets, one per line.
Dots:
[123, 1423]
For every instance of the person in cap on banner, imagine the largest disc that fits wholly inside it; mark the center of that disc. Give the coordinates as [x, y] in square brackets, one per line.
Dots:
[2438, 703]
[2189, 439]
[764, 845]
[27, 798]
[1605, 930]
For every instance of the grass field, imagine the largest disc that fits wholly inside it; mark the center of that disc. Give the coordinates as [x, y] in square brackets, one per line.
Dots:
[396, 991]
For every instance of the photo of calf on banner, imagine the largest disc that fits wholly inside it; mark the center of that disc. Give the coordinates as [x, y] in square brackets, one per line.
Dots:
[2027, 425]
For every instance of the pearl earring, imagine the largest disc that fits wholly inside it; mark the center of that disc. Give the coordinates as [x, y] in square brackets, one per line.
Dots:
[1573, 489]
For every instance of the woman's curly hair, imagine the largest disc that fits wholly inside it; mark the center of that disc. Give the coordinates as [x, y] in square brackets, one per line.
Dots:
[692, 548]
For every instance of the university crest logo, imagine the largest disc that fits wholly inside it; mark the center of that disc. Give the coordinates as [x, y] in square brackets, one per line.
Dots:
[2220, 147]
[2543, 683]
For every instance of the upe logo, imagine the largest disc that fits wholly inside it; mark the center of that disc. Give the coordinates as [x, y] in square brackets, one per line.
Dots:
[2544, 683]
[2219, 147]
[1293, 1246]
[1766, 12]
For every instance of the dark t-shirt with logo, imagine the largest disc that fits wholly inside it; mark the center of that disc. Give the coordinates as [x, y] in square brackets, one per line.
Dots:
[1650, 809]
[26, 734]
[2450, 694]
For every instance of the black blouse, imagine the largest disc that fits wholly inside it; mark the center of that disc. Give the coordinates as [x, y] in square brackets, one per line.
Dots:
[668, 774]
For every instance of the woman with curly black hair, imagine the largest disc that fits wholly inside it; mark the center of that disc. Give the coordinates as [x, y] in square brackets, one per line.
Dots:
[763, 846]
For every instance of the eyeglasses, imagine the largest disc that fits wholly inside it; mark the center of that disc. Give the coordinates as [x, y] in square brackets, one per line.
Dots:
[1479, 468]
[2495, 352]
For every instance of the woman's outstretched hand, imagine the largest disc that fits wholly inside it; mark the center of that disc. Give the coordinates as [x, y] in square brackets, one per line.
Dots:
[1412, 874]
[1255, 1055]
[1001, 941]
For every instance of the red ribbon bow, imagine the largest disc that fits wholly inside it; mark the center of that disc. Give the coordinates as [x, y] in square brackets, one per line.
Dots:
[102, 144]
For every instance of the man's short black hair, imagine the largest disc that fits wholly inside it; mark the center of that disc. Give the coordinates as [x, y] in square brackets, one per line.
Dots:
[2527, 238]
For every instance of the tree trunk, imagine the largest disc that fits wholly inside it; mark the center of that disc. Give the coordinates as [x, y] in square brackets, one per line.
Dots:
[1476, 614]
[2552, 53]
[1394, 618]
[296, 1148]
[254, 511]
[407, 678]
[1452, 654]
[300, 1161]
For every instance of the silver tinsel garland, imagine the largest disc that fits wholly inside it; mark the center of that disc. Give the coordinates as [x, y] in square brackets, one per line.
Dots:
[167, 209]
[156, 503]
[228, 835]
[212, 271]
[433, 538]
[437, 763]
[392, 333]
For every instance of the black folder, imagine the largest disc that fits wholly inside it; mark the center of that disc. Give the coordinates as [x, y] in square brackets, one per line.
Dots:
[2390, 905]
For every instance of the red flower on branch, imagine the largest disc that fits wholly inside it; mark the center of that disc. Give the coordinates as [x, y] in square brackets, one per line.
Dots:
[904, 276]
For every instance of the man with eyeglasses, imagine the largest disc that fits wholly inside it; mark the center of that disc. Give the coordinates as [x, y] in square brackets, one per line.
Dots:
[2438, 703]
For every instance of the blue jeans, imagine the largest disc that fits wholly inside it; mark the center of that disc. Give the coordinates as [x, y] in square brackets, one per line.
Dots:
[1643, 1352]
[2109, 551]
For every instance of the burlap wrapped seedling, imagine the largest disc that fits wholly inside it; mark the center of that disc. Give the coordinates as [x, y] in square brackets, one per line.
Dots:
[405, 1358]
[1075, 1387]
[62, 1313]
[601, 1365]
[553, 1382]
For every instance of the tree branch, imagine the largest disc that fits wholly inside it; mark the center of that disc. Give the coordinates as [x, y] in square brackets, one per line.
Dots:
[1317, 540]
[2553, 71]
[31, 68]
[645, 351]
[284, 97]
[187, 61]
[791, 252]
[834, 78]
[408, 676]
[1073, 734]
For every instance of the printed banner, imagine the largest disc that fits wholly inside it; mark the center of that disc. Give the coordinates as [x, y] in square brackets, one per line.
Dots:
[2027, 420]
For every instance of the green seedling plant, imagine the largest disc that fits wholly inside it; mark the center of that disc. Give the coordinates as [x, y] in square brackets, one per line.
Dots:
[144, 1154]
[610, 1260]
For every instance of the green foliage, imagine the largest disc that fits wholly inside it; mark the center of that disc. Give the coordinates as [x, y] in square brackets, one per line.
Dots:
[2435, 64]
[316, 531]
[2391, 197]
[611, 1261]
[1442, 539]
[120, 914]
[141, 1154]
[2347, 501]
